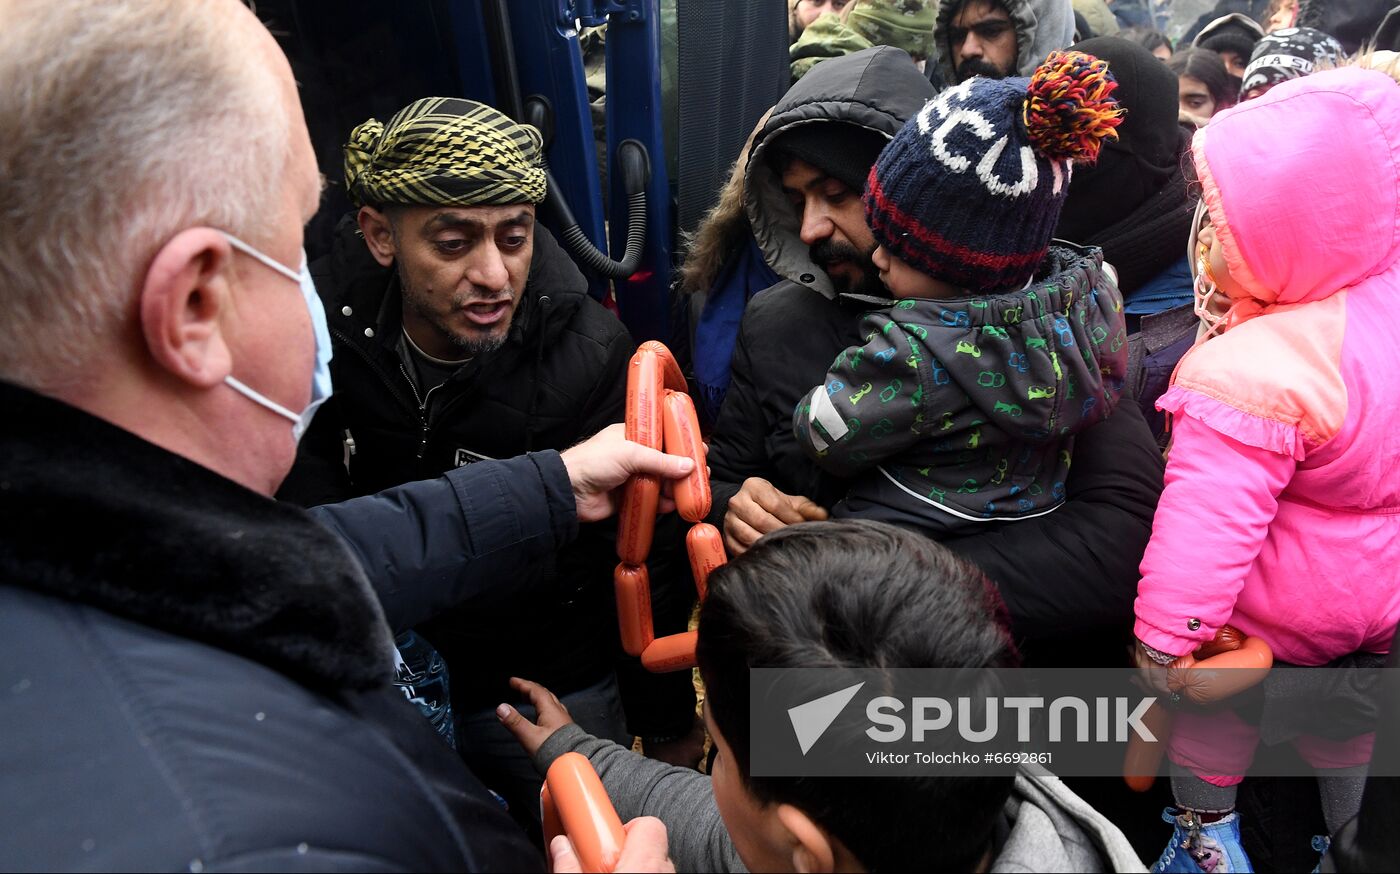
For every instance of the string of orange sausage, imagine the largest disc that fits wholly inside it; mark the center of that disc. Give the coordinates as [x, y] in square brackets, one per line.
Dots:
[660, 414]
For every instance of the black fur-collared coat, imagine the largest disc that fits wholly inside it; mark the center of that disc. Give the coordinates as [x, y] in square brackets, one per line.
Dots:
[196, 677]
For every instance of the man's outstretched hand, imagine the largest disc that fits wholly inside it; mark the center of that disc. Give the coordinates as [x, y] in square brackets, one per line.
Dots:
[600, 465]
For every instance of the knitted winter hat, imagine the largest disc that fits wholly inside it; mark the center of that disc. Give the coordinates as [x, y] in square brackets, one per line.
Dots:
[970, 190]
[1287, 54]
[843, 150]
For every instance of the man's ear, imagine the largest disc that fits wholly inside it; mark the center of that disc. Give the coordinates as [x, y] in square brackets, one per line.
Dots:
[184, 300]
[378, 233]
[812, 850]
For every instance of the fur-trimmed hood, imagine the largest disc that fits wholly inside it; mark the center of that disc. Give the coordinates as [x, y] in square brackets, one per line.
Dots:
[94, 514]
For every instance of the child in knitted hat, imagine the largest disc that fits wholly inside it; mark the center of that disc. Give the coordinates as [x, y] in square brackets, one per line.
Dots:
[960, 408]
[1288, 54]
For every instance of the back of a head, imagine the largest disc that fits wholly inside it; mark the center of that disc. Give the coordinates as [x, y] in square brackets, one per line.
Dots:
[1147, 151]
[126, 121]
[904, 24]
[858, 595]
[1054, 31]
[1098, 16]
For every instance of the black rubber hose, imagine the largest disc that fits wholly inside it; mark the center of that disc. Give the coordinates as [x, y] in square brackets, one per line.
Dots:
[636, 167]
[583, 249]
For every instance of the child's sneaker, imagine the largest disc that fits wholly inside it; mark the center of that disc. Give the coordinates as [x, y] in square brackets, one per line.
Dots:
[1214, 847]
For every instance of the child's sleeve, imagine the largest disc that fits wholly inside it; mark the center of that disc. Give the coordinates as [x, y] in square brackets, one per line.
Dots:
[869, 408]
[682, 798]
[1220, 498]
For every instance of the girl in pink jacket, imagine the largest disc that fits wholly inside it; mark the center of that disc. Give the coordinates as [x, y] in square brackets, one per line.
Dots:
[1281, 512]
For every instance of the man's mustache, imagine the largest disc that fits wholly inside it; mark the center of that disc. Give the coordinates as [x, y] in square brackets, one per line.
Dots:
[979, 67]
[828, 252]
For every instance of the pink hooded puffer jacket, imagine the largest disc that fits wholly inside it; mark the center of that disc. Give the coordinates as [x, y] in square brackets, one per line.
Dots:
[1281, 512]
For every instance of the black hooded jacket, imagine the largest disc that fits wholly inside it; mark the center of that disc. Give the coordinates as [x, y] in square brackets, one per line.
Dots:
[1136, 204]
[559, 378]
[1060, 575]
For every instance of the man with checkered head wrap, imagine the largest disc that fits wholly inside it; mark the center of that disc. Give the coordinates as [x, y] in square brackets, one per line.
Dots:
[462, 331]
[443, 170]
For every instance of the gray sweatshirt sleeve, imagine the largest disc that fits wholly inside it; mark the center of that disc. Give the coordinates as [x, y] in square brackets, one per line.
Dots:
[680, 797]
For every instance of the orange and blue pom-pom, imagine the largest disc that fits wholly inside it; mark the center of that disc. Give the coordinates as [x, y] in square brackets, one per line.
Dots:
[1069, 109]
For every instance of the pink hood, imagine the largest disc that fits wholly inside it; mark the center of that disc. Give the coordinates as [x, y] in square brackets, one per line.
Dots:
[1302, 212]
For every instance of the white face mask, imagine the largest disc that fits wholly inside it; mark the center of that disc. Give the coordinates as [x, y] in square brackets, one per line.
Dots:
[321, 376]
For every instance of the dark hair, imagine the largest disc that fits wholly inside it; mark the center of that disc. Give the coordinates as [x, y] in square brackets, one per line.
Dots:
[1146, 37]
[857, 594]
[1205, 66]
[1230, 41]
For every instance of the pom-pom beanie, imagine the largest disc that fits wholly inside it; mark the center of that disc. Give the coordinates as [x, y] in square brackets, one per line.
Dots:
[970, 190]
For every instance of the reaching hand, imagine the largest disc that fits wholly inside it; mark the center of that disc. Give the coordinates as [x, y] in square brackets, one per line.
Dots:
[645, 849]
[550, 712]
[600, 465]
[759, 508]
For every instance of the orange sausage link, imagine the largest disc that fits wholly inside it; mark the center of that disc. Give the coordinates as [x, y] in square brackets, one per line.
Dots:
[1221, 676]
[637, 518]
[644, 394]
[633, 590]
[1227, 639]
[674, 379]
[549, 816]
[586, 812]
[682, 437]
[1143, 758]
[674, 652]
[706, 547]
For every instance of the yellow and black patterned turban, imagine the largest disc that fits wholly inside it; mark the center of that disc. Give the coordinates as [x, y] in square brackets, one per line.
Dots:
[444, 151]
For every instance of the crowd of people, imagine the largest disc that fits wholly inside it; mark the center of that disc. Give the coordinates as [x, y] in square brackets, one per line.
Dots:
[1022, 335]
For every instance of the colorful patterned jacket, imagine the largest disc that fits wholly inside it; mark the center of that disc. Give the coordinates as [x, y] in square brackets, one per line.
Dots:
[964, 411]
